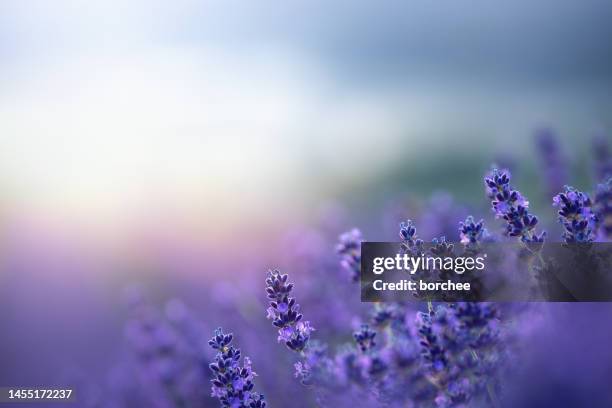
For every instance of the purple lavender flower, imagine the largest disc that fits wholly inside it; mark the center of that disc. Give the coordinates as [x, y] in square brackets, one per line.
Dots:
[472, 233]
[232, 384]
[284, 312]
[410, 241]
[477, 323]
[576, 216]
[365, 338]
[431, 348]
[602, 208]
[553, 164]
[511, 206]
[442, 248]
[460, 349]
[387, 313]
[349, 248]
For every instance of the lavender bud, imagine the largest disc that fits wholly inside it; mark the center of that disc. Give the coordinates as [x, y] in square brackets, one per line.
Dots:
[349, 249]
[284, 312]
[575, 215]
[365, 338]
[510, 205]
[232, 384]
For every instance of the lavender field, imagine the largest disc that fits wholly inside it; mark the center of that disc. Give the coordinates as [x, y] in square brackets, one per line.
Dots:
[185, 188]
[230, 329]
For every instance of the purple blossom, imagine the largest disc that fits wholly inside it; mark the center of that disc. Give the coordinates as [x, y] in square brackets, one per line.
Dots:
[432, 350]
[457, 343]
[232, 384]
[365, 338]
[510, 205]
[387, 313]
[410, 241]
[284, 312]
[349, 249]
[472, 233]
[301, 370]
[575, 215]
[315, 365]
[442, 248]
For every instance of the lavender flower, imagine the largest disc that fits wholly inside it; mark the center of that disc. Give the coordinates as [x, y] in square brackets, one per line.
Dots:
[431, 349]
[370, 362]
[410, 241]
[575, 214]
[472, 233]
[602, 207]
[384, 314]
[477, 322]
[442, 248]
[284, 312]
[551, 160]
[232, 384]
[365, 338]
[511, 206]
[461, 350]
[349, 248]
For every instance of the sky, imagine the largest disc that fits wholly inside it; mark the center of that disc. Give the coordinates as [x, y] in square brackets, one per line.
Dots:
[256, 110]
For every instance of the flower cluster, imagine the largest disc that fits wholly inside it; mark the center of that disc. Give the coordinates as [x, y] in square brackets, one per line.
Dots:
[461, 348]
[365, 338]
[432, 351]
[602, 207]
[314, 364]
[471, 233]
[410, 241]
[510, 205]
[232, 384]
[349, 248]
[284, 312]
[364, 364]
[442, 248]
[478, 322]
[576, 215]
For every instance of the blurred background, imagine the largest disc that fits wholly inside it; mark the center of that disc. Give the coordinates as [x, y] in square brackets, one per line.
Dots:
[180, 148]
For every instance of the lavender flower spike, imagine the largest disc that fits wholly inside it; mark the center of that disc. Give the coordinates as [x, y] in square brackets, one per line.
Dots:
[349, 248]
[232, 384]
[472, 233]
[365, 338]
[576, 216]
[284, 312]
[511, 206]
[410, 242]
